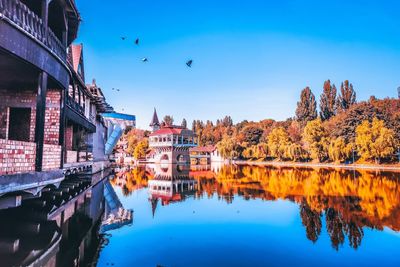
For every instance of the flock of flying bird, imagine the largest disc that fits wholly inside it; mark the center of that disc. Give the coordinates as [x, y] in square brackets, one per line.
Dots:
[145, 59]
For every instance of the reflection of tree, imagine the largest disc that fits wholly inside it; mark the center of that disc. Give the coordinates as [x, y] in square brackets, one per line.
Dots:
[311, 220]
[354, 233]
[334, 227]
[350, 200]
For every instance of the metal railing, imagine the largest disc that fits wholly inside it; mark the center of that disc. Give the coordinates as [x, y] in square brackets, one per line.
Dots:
[32, 24]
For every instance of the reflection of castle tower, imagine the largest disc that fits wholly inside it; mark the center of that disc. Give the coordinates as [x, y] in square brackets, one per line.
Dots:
[170, 184]
[155, 124]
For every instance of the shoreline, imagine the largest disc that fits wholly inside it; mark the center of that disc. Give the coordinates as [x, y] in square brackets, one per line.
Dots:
[372, 167]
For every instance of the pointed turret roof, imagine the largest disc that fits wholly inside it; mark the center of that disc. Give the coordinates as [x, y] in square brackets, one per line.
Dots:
[155, 121]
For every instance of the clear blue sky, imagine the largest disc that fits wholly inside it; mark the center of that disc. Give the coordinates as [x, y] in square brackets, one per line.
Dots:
[251, 58]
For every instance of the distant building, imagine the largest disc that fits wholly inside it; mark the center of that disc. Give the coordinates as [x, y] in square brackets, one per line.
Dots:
[170, 143]
[205, 155]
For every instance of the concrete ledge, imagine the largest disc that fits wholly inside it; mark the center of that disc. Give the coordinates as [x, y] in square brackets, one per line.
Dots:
[31, 182]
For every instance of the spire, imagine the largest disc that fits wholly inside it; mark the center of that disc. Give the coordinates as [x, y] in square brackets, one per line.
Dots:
[154, 202]
[155, 122]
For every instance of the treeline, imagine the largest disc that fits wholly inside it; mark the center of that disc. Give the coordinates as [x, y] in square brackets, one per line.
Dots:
[341, 130]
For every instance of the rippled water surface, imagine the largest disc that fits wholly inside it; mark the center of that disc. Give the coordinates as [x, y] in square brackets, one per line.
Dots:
[255, 216]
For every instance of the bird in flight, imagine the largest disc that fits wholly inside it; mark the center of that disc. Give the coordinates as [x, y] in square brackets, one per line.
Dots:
[144, 59]
[137, 41]
[189, 63]
[123, 38]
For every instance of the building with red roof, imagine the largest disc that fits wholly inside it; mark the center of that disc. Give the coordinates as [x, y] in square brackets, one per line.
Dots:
[170, 143]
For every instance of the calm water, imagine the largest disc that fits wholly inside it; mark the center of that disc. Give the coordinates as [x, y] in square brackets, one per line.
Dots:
[253, 216]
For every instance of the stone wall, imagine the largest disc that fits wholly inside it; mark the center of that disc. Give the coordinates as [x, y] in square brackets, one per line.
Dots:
[51, 157]
[16, 157]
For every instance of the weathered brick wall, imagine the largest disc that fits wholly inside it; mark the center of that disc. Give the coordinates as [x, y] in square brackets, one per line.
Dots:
[17, 98]
[16, 156]
[52, 117]
[51, 157]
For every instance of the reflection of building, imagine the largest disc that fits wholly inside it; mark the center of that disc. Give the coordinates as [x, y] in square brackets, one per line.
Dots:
[170, 143]
[205, 155]
[171, 183]
[115, 215]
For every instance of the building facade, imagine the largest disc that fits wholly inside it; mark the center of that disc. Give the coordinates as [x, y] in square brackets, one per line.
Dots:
[50, 120]
[170, 143]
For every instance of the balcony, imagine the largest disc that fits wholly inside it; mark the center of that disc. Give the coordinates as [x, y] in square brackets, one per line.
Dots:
[19, 14]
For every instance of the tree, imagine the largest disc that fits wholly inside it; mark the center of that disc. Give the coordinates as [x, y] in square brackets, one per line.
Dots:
[141, 149]
[327, 102]
[347, 96]
[316, 140]
[133, 137]
[251, 134]
[229, 148]
[375, 141]
[339, 151]
[168, 120]
[278, 141]
[306, 107]
[295, 152]
[184, 123]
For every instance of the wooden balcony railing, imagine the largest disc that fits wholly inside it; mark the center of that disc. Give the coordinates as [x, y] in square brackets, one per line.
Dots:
[74, 105]
[28, 21]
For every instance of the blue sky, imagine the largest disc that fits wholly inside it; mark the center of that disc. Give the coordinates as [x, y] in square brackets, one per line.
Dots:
[251, 58]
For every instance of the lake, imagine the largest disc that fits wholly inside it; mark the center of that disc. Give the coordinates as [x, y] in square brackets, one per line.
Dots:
[227, 215]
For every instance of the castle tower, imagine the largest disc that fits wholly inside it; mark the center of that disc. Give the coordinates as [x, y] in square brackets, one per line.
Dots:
[155, 124]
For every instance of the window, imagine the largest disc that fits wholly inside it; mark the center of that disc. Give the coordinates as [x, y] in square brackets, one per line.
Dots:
[19, 124]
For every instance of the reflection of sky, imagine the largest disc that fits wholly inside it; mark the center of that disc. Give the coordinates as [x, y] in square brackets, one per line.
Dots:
[210, 232]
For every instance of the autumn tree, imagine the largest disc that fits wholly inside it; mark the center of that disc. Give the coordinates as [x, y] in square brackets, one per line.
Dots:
[141, 149]
[375, 141]
[306, 107]
[251, 134]
[339, 151]
[229, 148]
[168, 120]
[278, 141]
[327, 102]
[347, 96]
[133, 137]
[316, 139]
[295, 152]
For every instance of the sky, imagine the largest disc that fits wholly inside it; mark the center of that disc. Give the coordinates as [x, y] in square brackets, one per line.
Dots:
[250, 58]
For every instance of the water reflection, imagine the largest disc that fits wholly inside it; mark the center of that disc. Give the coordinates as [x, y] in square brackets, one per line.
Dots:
[346, 202]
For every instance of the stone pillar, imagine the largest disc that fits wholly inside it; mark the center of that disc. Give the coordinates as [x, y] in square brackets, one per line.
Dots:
[40, 119]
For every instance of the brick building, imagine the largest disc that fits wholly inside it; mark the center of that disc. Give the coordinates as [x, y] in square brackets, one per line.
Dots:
[48, 115]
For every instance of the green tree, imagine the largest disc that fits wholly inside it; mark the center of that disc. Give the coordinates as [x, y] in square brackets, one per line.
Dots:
[347, 96]
[327, 103]
[316, 139]
[375, 141]
[306, 107]
[278, 141]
